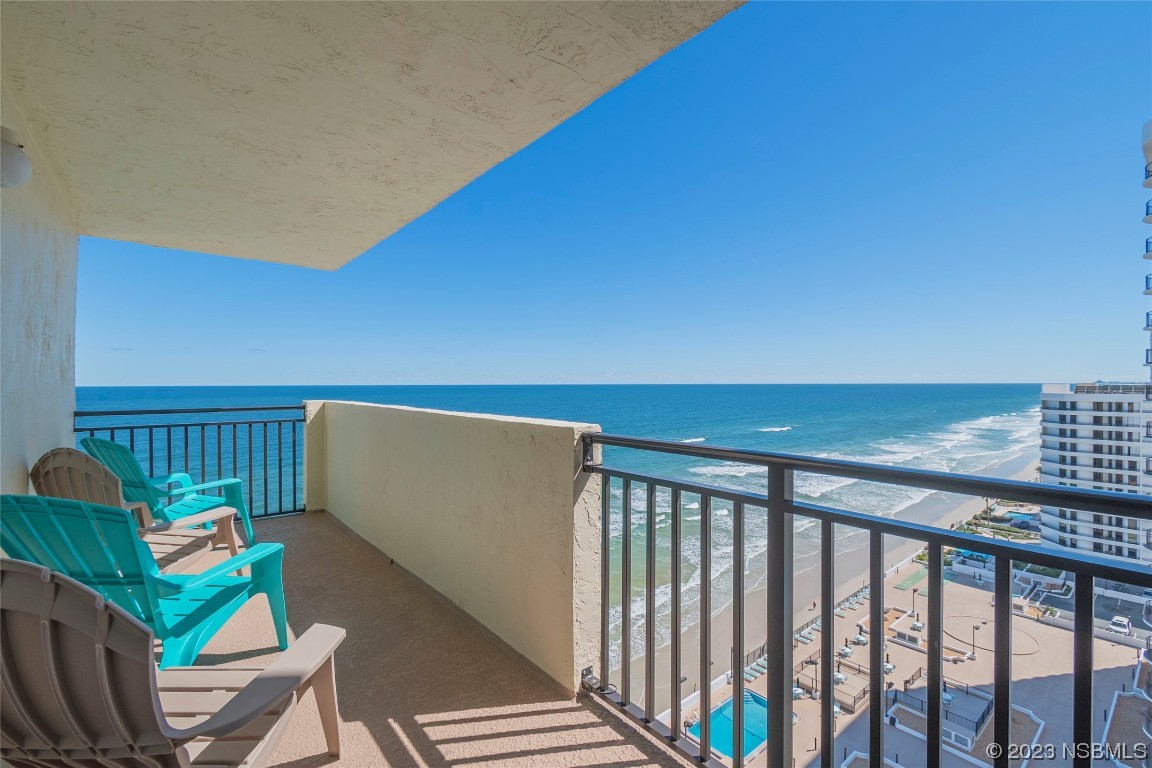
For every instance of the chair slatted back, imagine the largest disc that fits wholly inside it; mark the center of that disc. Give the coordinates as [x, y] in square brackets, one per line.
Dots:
[79, 680]
[67, 473]
[96, 545]
[120, 459]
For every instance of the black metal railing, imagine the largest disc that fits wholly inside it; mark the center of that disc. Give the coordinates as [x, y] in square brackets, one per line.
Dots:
[778, 507]
[920, 706]
[1148, 208]
[1148, 246]
[261, 445]
[1148, 282]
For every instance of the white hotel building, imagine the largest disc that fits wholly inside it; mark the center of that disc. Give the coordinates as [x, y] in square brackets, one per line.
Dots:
[1100, 436]
[1097, 436]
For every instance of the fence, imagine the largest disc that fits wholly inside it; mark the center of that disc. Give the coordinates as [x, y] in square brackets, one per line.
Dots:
[263, 446]
[916, 704]
[777, 506]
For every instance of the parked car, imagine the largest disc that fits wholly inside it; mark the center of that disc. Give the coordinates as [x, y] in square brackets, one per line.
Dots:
[1022, 524]
[1121, 625]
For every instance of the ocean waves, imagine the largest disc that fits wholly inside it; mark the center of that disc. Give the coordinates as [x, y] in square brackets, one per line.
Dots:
[969, 446]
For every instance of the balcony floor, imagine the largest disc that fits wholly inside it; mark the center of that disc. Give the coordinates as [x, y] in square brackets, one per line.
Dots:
[420, 682]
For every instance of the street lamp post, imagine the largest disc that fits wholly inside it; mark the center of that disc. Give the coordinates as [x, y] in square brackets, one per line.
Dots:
[914, 591]
[975, 627]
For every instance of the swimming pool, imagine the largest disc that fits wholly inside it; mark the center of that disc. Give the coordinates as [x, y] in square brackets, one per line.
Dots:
[755, 725]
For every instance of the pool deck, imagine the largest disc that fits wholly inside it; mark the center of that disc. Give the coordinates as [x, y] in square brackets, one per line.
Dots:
[1042, 679]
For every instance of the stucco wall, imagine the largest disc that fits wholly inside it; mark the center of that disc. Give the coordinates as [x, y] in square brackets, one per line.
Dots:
[38, 252]
[492, 512]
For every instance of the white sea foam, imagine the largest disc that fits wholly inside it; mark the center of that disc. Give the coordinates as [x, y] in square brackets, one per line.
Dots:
[970, 446]
[728, 469]
[694, 440]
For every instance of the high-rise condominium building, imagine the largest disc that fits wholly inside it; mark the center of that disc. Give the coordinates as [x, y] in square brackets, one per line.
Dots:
[1100, 436]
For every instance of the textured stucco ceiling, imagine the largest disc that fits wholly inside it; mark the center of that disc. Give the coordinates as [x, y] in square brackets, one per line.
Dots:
[305, 132]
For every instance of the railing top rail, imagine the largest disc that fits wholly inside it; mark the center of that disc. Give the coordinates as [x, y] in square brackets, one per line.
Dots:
[182, 425]
[229, 409]
[1085, 562]
[1087, 500]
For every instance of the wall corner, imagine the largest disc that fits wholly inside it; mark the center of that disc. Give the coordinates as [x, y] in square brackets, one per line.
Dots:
[586, 562]
[315, 456]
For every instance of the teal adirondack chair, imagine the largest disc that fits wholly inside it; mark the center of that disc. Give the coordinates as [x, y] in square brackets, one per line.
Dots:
[99, 547]
[154, 491]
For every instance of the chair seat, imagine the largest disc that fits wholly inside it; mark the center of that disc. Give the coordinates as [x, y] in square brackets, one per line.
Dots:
[189, 695]
[179, 546]
[219, 598]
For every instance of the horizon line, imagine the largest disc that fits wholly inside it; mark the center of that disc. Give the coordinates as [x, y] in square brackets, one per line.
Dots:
[619, 384]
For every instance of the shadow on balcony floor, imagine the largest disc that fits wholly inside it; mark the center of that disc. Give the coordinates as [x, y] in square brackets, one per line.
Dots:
[421, 684]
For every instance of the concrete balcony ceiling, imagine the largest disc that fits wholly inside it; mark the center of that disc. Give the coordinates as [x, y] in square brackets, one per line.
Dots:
[305, 133]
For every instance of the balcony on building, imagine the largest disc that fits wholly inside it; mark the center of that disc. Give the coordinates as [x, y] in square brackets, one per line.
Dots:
[478, 602]
[1148, 248]
[1148, 212]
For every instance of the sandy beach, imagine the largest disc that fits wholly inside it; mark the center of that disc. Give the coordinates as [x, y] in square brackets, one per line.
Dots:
[938, 509]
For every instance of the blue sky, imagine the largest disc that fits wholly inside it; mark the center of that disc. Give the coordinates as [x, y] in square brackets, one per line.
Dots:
[805, 192]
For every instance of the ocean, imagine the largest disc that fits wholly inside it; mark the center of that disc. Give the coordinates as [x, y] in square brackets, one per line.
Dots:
[967, 428]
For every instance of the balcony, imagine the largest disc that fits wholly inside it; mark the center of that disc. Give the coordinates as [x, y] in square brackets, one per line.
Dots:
[471, 558]
[1148, 212]
[1148, 176]
[421, 683]
[1148, 248]
[478, 602]
[1148, 285]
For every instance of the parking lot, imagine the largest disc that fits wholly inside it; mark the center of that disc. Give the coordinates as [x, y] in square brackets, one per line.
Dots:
[1106, 607]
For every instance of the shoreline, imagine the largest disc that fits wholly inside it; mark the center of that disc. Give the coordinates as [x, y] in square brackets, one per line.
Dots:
[938, 509]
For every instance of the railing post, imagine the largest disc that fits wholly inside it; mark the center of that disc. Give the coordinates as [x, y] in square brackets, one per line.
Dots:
[1082, 635]
[827, 642]
[626, 595]
[935, 652]
[780, 619]
[605, 579]
[705, 627]
[650, 604]
[878, 694]
[1002, 662]
[677, 544]
[738, 635]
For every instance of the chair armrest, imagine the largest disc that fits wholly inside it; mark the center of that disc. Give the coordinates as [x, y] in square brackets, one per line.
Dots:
[191, 521]
[163, 481]
[247, 557]
[201, 487]
[287, 674]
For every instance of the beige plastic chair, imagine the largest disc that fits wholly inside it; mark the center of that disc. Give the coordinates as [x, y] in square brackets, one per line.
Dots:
[66, 473]
[80, 687]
